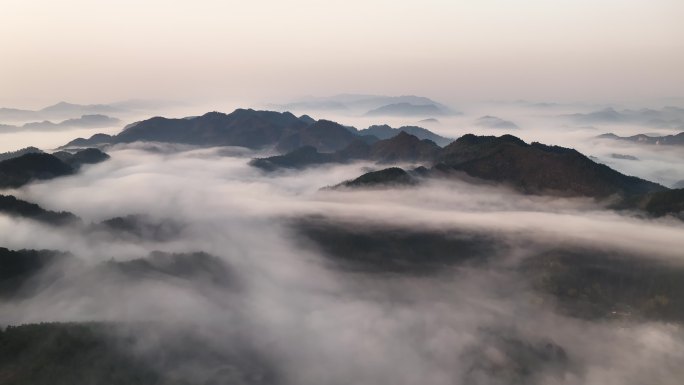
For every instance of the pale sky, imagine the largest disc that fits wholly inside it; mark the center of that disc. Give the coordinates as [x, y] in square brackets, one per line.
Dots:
[89, 51]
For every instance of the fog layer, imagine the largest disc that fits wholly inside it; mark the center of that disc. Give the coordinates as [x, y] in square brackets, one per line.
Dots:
[312, 320]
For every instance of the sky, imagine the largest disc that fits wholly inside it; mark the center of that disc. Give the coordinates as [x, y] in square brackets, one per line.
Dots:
[88, 51]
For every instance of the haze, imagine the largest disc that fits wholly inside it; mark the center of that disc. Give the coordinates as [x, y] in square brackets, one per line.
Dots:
[99, 51]
[343, 192]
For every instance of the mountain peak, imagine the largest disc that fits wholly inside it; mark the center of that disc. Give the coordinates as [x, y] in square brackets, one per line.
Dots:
[389, 177]
[471, 139]
[539, 168]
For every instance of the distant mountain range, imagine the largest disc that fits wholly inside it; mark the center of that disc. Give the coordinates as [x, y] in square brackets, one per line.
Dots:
[61, 110]
[70, 115]
[407, 109]
[531, 168]
[667, 140]
[666, 117]
[85, 121]
[371, 105]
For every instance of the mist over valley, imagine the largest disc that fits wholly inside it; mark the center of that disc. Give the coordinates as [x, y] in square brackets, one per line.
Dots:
[361, 192]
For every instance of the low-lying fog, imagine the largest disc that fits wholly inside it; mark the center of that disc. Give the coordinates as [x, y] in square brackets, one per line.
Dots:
[318, 322]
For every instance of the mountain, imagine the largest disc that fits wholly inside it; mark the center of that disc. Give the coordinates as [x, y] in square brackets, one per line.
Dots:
[299, 158]
[598, 283]
[15, 114]
[252, 129]
[79, 109]
[85, 121]
[95, 140]
[400, 148]
[134, 353]
[130, 227]
[117, 353]
[403, 147]
[385, 247]
[16, 172]
[657, 204]
[537, 168]
[14, 154]
[37, 354]
[18, 267]
[392, 177]
[196, 266]
[489, 121]
[407, 109]
[670, 202]
[667, 140]
[533, 168]
[307, 119]
[245, 128]
[607, 115]
[140, 227]
[324, 135]
[10, 205]
[588, 282]
[385, 132]
[79, 158]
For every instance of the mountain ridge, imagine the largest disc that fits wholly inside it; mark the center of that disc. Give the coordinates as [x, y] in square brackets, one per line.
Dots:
[254, 129]
[665, 140]
[18, 171]
[534, 168]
